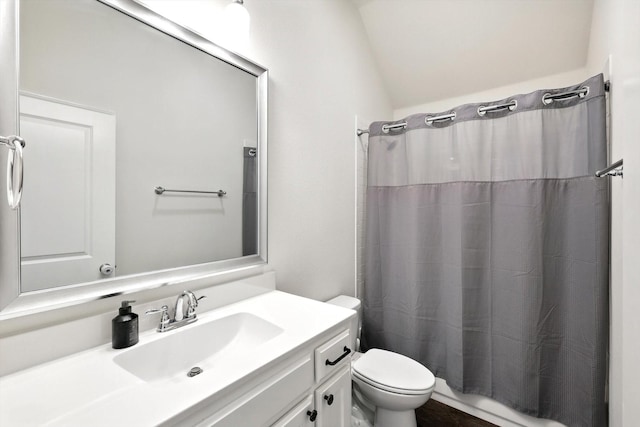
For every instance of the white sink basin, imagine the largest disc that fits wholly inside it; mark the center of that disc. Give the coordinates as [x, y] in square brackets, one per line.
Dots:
[236, 345]
[209, 345]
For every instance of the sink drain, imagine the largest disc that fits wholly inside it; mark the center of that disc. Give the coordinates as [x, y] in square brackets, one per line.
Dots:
[194, 371]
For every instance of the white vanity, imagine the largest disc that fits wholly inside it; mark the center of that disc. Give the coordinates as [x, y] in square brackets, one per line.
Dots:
[271, 360]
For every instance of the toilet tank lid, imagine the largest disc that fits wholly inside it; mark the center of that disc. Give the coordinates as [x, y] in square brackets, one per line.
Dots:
[346, 302]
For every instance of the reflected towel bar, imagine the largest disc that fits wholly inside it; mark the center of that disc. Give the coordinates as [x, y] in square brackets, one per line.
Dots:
[161, 190]
[615, 169]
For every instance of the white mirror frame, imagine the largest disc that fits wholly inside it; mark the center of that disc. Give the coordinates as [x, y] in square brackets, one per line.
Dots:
[14, 304]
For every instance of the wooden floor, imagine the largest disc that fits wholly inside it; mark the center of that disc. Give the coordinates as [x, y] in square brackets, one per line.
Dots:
[436, 414]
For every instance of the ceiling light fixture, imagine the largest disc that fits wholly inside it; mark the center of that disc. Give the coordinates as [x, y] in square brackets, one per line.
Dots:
[236, 22]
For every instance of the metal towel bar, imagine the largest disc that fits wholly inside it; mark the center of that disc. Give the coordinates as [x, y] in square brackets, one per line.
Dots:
[161, 190]
[615, 169]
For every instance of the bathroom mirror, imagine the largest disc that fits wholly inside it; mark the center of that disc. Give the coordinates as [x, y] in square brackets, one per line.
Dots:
[146, 150]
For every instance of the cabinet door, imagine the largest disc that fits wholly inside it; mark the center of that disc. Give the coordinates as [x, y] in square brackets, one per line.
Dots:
[260, 406]
[333, 400]
[300, 416]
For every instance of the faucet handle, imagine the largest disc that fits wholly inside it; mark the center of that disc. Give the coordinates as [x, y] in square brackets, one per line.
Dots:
[164, 319]
[192, 304]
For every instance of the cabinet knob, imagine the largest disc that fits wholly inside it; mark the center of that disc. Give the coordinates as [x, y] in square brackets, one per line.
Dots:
[329, 399]
[312, 415]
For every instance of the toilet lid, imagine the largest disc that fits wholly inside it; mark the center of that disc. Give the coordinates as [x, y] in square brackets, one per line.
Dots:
[393, 372]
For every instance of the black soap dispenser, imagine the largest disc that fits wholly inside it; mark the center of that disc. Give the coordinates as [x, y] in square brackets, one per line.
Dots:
[124, 327]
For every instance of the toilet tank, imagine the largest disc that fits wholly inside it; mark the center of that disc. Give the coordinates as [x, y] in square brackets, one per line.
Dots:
[356, 324]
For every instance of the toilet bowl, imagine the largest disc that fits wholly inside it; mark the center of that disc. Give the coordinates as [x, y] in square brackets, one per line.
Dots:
[393, 384]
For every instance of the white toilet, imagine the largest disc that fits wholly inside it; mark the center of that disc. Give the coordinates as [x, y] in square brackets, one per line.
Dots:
[393, 384]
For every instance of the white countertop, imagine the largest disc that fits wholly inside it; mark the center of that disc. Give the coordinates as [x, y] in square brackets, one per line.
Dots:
[90, 389]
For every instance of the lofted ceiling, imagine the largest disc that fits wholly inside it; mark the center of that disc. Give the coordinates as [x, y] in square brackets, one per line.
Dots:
[428, 50]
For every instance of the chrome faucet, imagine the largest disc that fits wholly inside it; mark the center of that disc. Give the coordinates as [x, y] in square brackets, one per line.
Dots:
[192, 303]
[179, 317]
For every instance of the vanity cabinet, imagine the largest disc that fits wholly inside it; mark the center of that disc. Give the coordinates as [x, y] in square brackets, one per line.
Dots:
[329, 403]
[256, 380]
[329, 406]
[265, 400]
[311, 388]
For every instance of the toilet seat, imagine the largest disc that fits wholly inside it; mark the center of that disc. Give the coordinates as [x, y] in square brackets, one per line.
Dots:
[393, 372]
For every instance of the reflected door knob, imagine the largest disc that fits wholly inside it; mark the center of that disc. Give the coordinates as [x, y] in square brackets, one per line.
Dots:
[106, 269]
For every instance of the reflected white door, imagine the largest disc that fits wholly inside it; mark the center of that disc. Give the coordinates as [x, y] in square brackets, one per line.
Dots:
[68, 206]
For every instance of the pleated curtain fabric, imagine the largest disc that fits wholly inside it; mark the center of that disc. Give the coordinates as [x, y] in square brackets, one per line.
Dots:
[486, 254]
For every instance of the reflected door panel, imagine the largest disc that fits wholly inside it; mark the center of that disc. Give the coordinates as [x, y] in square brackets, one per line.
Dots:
[68, 205]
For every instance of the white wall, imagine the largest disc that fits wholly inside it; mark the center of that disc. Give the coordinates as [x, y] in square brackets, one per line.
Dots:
[321, 75]
[615, 33]
[603, 35]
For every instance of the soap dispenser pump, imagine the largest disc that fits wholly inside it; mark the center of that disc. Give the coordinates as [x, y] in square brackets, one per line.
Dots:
[124, 327]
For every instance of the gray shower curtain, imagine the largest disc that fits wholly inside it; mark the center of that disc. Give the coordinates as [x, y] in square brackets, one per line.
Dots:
[487, 251]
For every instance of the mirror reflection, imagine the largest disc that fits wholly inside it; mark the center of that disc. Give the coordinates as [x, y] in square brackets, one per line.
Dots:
[111, 109]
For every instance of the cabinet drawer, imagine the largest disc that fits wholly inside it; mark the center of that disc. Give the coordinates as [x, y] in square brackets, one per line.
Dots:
[265, 401]
[332, 355]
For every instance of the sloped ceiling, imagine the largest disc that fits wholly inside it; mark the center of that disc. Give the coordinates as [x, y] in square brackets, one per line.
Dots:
[429, 50]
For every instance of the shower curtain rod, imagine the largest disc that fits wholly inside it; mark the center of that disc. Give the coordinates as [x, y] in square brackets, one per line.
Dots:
[547, 98]
[385, 128]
